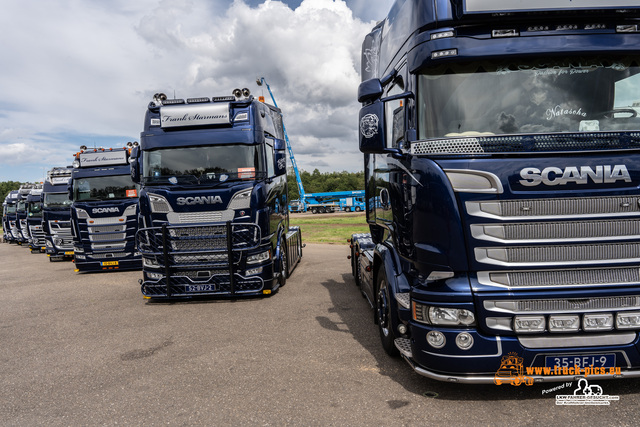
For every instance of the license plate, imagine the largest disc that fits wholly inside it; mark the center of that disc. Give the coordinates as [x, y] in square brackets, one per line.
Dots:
[68, 253]
[201, 288]
[107, 263]
[582, 361]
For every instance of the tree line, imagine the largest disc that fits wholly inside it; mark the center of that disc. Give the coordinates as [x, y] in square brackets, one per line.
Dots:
[317, 182]
[8, 186]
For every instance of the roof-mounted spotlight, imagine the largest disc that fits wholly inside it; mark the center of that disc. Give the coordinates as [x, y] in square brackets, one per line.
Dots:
[129, 144]
[159, 97]
[83, 147]
[237, 93]
[246, 92]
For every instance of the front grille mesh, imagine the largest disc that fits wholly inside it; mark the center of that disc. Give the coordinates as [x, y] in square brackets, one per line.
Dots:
[527, 279]
[561, 254]
[571, 230]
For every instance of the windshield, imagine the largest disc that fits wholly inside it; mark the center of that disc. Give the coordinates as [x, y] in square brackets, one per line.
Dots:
[22, 206]
[104, 188]
[11, 209]
[56, 200]
[545, 96]
[35, 209]
[197, 165]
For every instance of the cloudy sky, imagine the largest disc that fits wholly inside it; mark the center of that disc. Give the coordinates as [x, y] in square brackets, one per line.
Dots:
[80, 72]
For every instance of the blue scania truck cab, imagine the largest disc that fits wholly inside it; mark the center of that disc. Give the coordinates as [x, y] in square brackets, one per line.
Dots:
[22, 235]
[502, 140]
[9, 226]
[34, 220]
[213, 198]
[56, 214]
[5, 221]
[104, 211]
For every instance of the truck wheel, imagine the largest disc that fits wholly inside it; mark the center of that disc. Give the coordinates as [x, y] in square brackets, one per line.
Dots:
[347, 209]
[284, 266]
[314, 210]
[383, 315]
[358, 209]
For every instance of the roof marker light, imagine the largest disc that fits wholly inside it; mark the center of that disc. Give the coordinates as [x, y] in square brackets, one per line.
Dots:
[627, 29]
[505, 33]
[444, 53]
[197, 100]
[172, 101]
[442, 35]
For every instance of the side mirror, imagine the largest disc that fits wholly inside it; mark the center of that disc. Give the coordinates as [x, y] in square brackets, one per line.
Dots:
[70, 190]
[369, 90]
[134, 165]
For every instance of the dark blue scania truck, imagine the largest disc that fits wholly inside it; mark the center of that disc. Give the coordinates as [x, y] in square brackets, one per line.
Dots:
[502, 143]
[56, 214]
[213, 200]
[104, 211]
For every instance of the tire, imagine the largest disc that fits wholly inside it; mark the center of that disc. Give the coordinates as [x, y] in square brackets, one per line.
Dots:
[383, 315]
[347, 209]
[358, 209]
[284, 266]
[314, 210]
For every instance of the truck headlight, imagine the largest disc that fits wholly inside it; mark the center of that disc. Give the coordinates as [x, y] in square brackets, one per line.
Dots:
[150, 262]
[444, 316]
[81, 213]
[261, 257]
[159, 204]
[241, 200]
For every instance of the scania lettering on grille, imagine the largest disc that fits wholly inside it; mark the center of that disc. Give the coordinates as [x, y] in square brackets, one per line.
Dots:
[605, 174]
[105, 210]
[198, 200]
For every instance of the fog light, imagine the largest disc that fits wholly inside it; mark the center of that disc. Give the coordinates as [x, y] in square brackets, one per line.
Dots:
[253, 271]
[597, 322]
[628, 320]
[528, 324]
[402, 329]
[154, 276]
[80, 257]
[564, 323]
[464, 341]
[436, 339]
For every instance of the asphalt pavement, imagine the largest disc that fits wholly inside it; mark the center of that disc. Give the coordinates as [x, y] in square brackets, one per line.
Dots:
[87, 349]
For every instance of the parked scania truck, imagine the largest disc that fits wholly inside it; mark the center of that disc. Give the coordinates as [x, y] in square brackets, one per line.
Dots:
[502, 140]
[213, 199]
[56, 214]
[11, 230]
[104, 211]
[22, 235]
[34, 220]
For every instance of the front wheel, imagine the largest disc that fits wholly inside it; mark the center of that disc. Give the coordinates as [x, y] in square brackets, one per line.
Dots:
[383, 315]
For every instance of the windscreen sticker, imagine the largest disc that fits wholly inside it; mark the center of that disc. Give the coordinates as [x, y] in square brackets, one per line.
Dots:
[132, 193]
[246, 173]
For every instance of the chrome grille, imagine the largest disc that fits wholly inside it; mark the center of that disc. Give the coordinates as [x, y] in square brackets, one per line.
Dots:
[110, 255]
[580, 207]
[105, 237]
[560, 278]
[557, 231]
[198, 244]
[108, 229]
[447, 146]
[197, 231]
[563, 305]
[580, 254]
[199, 217]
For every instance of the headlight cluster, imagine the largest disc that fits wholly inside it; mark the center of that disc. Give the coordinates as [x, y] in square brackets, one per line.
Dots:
[443, 316]
[159, 204]
[241, 200]
[261, 257]
[573, 322]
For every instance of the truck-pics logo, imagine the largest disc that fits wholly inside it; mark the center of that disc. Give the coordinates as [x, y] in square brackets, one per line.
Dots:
[198, 200]
[512, 371]
[605, 174]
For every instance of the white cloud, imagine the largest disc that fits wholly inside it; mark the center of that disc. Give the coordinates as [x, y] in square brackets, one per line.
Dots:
[80, 71]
